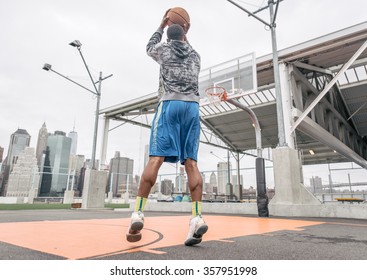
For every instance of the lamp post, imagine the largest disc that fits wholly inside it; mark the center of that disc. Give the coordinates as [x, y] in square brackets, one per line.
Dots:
[96, 92]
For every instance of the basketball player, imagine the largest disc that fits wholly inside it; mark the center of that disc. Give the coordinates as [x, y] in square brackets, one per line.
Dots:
[176, 126]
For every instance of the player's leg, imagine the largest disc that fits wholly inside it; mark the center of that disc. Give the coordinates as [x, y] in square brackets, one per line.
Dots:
[149, 175]
[197, 225]
[147, 181]
[190, 138]
[195, 179]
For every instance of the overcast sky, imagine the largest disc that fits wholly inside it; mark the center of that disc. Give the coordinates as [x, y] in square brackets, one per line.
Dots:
[114, 34]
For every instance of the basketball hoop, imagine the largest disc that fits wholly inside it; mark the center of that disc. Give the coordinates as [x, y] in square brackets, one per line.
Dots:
[216, 94]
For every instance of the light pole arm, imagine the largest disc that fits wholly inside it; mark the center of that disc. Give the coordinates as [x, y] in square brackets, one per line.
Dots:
[217, 157]
[249, 13]
[73, 81]
[90, 75]
[103, 78]
[275, 13]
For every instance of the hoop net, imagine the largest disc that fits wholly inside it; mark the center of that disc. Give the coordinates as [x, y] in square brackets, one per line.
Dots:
[216, 94]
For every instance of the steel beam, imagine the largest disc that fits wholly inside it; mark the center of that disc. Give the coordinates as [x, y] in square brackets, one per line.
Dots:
[329, 86]
[315, 131]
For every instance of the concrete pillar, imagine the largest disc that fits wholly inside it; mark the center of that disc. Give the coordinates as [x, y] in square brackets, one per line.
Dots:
[286, 92]
[109, 196]
[94, 189]
[33, 192]
[126, 197]
[287, 179]
[104, 141]
[68, 196]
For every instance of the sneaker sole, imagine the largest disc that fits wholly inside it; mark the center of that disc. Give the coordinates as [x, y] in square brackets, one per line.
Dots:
[135, 228]
[133, 237]
[192, 241]
[197, 238]
[201, 231]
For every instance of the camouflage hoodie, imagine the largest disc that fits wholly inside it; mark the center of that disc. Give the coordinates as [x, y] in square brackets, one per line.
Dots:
[179, 68]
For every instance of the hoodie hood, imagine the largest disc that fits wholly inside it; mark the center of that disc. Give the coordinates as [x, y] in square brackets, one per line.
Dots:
[181, 49]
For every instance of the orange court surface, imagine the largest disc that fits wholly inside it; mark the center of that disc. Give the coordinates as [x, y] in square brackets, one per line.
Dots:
[91, 234]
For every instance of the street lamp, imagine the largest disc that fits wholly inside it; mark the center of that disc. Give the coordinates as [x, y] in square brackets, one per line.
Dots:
[76, 43]
[97, 92]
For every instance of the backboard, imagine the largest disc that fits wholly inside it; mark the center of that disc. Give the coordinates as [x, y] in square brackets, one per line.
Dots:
[237, 76]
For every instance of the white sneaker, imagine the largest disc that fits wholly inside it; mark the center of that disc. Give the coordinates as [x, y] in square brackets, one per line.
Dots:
[197, 228]
[136, 225]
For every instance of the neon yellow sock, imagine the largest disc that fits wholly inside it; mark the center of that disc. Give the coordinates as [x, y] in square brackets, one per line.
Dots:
[140, 203]
[196, 208]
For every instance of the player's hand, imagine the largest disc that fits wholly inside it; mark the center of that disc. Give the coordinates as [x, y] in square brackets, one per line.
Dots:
[166, 13]
[164, 23]
[186, 27]
[165, 19]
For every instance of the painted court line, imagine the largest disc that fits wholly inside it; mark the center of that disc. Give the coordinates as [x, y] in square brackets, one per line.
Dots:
[78, 239]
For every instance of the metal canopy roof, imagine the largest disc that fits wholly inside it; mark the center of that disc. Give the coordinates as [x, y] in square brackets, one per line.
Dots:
[229, 127]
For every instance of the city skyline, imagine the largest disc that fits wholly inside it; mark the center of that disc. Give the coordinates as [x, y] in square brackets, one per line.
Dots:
[351, 173]
[53, 167]
[20, 181]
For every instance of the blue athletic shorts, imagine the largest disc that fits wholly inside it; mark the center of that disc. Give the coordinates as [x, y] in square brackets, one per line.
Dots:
[175, 132]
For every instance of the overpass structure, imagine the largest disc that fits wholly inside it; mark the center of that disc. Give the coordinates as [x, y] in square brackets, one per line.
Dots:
[324, 100]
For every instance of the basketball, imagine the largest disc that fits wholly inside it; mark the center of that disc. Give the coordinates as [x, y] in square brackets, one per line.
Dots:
[179, 16]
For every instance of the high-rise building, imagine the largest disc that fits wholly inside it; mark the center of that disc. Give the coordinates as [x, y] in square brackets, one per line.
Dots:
[19, 140]
[213, 185]
[237, 188]
[74, 142]
[166, 187]
[41, 145]
[121, 175]
[223, 179]
[316, 184]
[76, 163]
[24, 175]
[56, 164]
[89, 164]
[180, 182]
[1, 153]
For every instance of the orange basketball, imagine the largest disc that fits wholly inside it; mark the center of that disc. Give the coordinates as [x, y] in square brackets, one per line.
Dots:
[178, 15]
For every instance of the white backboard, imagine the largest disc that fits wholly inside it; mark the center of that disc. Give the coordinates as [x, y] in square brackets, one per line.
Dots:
[237, 76]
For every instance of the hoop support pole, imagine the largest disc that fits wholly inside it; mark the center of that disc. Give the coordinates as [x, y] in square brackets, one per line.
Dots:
[255, 122]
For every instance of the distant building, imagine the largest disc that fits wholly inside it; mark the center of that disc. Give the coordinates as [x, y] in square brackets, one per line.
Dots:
[24, 175]
[180, 182]
[88, 163]
[212, 183]
[1, 153]
[74, 142]
[56, 165]
[121, 175]
[223, 179]
[166, 187]
[76, 164]
[316, 184]
[41, 145]
[19, 140]
[237, 188]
